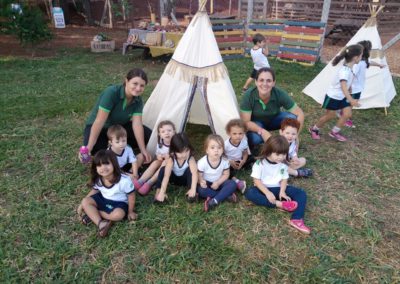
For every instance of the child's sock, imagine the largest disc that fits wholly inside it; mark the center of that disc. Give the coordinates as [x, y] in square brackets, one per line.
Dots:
[315, 127]
[335, 129]
[141, 181]
[150, 182]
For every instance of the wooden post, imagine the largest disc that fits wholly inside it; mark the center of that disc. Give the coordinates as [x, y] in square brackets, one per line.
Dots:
[161, 9]
[239, 8]
[325, 11]
[230, 7]
[265, 9]
[391, 42]
[249, 10]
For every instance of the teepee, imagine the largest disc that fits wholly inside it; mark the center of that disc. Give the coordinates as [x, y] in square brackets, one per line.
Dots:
[195, 86]
[379, 88]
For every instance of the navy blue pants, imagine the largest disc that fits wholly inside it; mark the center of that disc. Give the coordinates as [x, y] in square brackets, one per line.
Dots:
[223, 192]
[183, 180]
[296, 194]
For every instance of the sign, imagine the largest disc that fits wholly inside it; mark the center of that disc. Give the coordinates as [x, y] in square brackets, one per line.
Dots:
[58, 16]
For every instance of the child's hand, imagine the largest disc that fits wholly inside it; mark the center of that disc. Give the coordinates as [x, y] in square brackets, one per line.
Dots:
[160, 196]
[79, 210]
[133, 176]
[191, 193]
[282, 195]
[234, 164]
[271, 197]
[354, 103]
[240, 164]
[382, 66]
[214, 185]
[132, 216]
[203, 184]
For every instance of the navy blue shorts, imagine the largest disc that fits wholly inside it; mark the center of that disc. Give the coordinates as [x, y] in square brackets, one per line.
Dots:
[356, 96]
[253, 74]
[107, 205]
[333, 104]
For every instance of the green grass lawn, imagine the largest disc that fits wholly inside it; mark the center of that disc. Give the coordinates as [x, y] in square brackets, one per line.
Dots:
[353, 199]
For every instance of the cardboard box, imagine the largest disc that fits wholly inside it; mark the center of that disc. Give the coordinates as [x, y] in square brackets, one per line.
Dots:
[102, 46]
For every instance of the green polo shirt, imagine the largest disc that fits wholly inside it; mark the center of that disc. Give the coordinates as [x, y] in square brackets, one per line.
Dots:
[113, 101]
[251, 103]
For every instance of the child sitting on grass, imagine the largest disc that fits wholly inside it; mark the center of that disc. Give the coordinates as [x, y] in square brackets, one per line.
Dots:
[112, 196]
[117, 140]
[290, 129]
[270, 175]
[236, 150]
[165, 129]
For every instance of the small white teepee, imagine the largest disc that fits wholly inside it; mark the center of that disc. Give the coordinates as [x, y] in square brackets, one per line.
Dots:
[195, 86]
[379, 88]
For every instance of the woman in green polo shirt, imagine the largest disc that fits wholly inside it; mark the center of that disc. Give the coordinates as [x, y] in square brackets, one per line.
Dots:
[119, 104]
[261, 107]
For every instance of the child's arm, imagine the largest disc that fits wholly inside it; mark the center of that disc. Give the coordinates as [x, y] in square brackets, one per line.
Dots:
[270, 196]
[167, 173]
[134, 170]
[233, 164]
[265, 50]
[245, 155]
[193, 170]
[221, 180]
[343, 85]
[376, 64]
[131, 206]
[282, 192]
[202, 181]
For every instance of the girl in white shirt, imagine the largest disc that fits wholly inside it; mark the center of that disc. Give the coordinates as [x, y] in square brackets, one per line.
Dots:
[112, 196]
[213, 168]
[180, 169]
[360, 71]
[270, 176]
[338, 96]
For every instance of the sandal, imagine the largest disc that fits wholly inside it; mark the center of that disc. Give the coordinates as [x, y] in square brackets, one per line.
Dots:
[103, 231]
[86, 220]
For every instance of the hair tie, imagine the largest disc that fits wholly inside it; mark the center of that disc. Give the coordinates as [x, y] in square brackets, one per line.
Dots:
[347, 51]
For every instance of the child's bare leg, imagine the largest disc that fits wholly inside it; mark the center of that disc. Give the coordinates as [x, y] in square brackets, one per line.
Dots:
[345, 116]
[329, 115]
[154, 166]
[248, 82]
[90, 208]
[116, 215]
[299, 163]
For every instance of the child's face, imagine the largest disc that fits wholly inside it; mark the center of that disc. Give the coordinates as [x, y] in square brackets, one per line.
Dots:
[236, 134]
[105, 170]
[214, 149]
[290, 133]
[263, 43]
[277, 158]
[118, 144]
[166, 132]
[184, 155]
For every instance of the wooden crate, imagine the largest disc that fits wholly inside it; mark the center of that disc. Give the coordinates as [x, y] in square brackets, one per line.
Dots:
[102, 46]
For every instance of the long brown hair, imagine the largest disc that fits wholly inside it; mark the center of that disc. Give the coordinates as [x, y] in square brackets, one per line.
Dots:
[104, 157]
[348, 53]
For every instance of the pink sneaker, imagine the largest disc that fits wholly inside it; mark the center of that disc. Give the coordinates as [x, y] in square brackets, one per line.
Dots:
[349, 124]
[337, 136]
[136, 184]
[233, 198]
[299, 225]
[314, 133]
[289, 206]
[144, 189]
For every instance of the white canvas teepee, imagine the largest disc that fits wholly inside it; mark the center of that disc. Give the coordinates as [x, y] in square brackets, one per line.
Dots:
[195, 86]
[379, 88]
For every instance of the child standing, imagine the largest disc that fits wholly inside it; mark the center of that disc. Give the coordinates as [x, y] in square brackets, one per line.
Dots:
[259, 54]
[236, 150]
[338, 96]
[165, 130]
[117, 139]
[214, 182]
[270, 175]
[290, 129]
[112, 196]
[360, 70]
[180, 169]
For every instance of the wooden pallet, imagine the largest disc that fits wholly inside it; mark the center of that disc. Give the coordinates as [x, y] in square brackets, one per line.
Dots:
[301, 42]
[271, 29]
[230, 37]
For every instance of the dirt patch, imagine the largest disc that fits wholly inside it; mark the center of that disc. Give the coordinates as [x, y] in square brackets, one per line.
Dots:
[80, 36]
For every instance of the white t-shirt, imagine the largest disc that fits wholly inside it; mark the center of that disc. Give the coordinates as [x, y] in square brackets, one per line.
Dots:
[292, 150]
[259, 58]
[118, 191]
[164, 149]
[359, 70]
[126, 157]
[179, 170]
[335, 90]
[209, 173]
[269, 174]
[235, 152]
